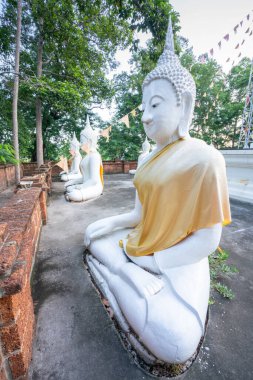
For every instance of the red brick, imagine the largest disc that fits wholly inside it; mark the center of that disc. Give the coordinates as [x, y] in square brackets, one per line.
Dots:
[18, 335]
[15, 282]
[6, 310]
[3, 231]
[17, 365]
[10, 339]
[12, 306]
[3, 374]
[16, 236]
[7, 257]
[43, 206]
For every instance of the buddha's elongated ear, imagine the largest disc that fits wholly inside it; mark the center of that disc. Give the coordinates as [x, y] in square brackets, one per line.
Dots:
[186, 114]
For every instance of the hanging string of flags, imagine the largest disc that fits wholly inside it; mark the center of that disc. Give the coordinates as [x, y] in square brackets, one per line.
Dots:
[125, 119]
[248, 32]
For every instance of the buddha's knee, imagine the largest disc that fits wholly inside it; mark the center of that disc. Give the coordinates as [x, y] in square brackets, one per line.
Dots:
[177, 343]
[172, 332]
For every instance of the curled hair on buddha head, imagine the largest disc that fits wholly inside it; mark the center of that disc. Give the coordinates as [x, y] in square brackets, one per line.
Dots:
[89, 135]
[74, 144]
[170, 68]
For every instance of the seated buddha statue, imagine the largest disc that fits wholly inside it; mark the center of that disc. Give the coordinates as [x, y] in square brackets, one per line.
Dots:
[144, 153]
[90, 185]
[152, 263]
[74, 172]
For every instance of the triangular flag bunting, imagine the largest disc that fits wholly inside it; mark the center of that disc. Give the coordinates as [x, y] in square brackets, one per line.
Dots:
[125, 120]
[226, 37]
[235, 28]
[63, 164]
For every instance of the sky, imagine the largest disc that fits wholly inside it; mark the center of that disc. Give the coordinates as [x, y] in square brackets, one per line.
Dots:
[204, 23]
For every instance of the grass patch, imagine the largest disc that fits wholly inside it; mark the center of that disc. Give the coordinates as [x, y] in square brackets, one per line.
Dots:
[218, 270]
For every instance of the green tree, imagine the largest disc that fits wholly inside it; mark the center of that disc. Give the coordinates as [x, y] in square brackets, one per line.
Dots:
[79, 40]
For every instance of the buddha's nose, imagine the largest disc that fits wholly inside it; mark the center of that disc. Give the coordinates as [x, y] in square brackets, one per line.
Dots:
[146, 118]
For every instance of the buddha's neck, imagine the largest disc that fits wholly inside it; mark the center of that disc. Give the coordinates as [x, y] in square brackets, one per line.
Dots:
[170, 140]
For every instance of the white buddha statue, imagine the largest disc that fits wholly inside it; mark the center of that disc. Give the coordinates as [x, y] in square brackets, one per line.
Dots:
[74, 172]
[152, 263]
[91, 183]
[144, 153]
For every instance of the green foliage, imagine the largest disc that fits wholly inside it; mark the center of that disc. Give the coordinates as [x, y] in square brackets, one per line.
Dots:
[80, 38]
[218, 270]
[220, 100]
[7, 154]
[125, 143]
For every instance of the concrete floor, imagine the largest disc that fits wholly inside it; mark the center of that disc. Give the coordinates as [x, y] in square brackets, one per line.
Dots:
[75, 339]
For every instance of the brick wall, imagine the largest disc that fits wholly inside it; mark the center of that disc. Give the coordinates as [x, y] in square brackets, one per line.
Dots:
[7, 177]
[29, 168]
[20, 224]
[110, 167]
[116, 167]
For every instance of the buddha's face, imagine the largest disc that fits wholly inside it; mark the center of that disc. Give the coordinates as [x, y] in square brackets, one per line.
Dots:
[162, 115]
[85, 144]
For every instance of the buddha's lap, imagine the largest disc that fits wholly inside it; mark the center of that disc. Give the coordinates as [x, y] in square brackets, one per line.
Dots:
[107, 250]
[163, 312]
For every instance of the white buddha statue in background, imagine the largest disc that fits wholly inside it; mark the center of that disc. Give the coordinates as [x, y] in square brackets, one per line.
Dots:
[91, 183]
[74, 172]
[144, 153]
[152, 263]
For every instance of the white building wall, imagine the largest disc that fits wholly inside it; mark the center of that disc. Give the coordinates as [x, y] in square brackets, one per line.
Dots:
[239, 165]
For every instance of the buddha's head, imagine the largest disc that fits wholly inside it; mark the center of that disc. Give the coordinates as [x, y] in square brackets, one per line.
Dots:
[146, 146]
[74, 146]
[88, 138]
[169, 94]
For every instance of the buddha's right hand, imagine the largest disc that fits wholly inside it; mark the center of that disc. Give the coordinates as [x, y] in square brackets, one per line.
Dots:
[97, 229]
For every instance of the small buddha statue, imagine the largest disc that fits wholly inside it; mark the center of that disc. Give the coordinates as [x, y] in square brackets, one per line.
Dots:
[144, 153]
[90, 185]
[152, 263]
[74, 172]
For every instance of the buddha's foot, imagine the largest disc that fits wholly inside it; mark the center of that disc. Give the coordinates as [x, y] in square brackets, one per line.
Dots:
[145, 283]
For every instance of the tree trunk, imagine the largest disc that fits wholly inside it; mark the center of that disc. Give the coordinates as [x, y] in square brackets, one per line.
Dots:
[15, 92]
[39, 138]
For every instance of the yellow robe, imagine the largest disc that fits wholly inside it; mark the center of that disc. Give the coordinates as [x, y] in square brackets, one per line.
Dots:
[182, 189]
[101, 173]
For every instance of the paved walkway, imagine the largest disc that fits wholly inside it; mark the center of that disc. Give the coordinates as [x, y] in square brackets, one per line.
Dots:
[75, 339]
